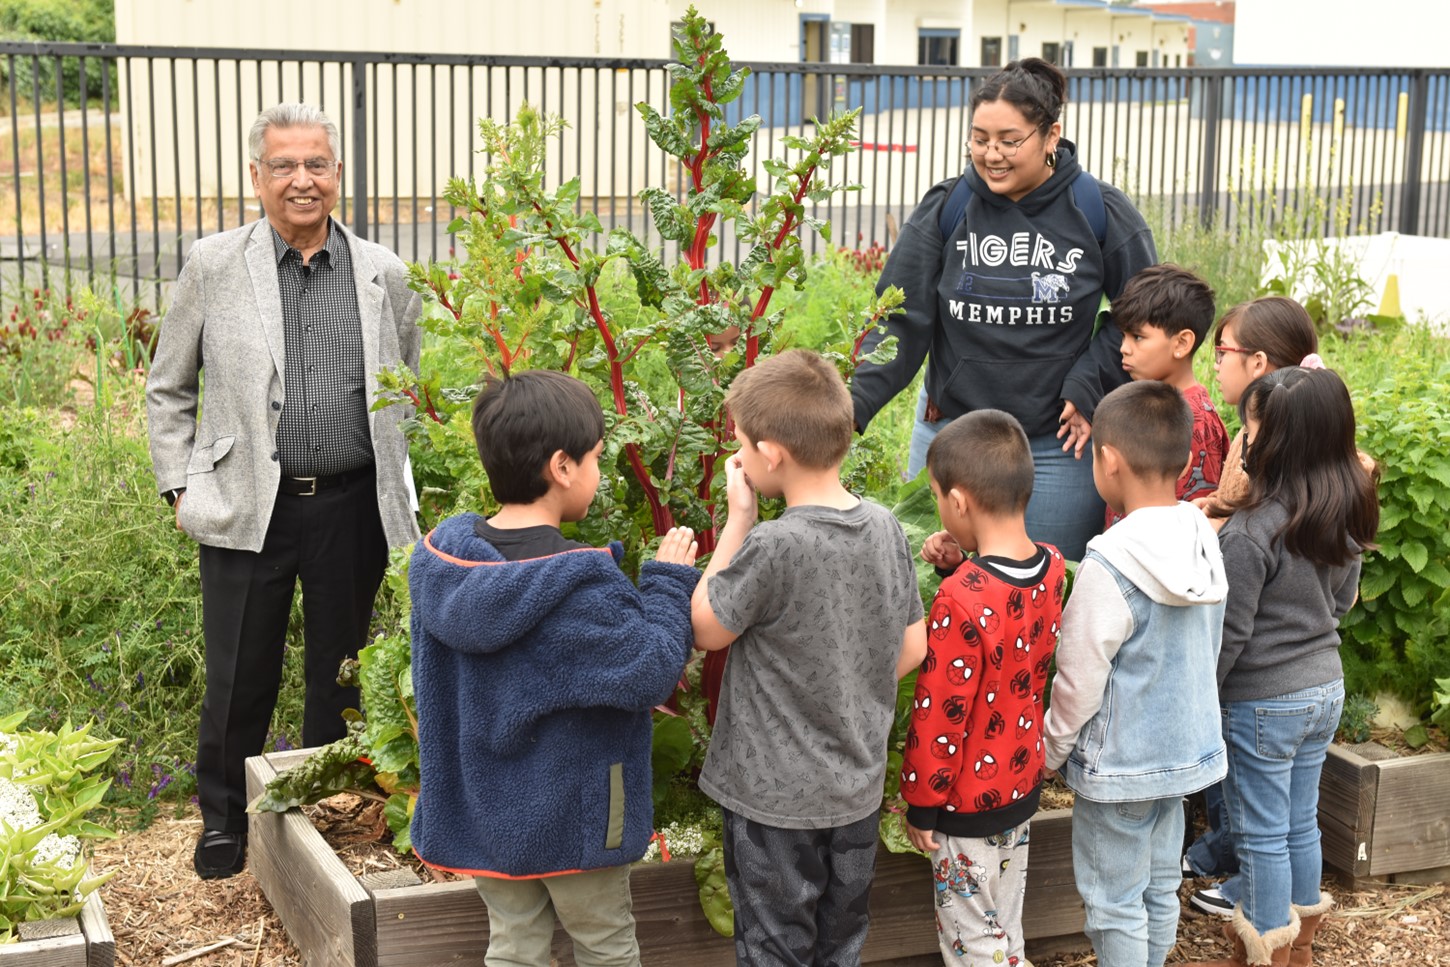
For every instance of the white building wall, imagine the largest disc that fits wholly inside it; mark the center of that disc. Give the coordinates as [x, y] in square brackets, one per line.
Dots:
[1340, 33]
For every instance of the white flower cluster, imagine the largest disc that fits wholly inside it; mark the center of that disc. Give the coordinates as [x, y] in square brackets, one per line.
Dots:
[681, 839]
[18, 810]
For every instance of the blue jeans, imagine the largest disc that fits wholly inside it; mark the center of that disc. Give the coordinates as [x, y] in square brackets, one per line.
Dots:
[1065, 509]
[1212, 854]
[1276, 750]
[1125, 861]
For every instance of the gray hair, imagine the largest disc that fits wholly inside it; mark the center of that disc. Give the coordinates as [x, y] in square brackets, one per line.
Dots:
[292, 115]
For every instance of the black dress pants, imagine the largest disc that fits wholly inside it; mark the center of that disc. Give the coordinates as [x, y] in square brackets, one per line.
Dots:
[333, 543]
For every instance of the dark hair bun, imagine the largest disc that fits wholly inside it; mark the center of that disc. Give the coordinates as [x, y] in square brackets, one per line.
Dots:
[1034, 86]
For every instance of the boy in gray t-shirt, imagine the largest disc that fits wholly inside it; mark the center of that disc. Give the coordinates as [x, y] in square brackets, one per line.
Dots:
[823, 610]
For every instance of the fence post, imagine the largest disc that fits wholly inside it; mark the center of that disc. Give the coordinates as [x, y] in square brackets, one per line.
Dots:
[1416, 120]
[1212, 120]
[359, 160]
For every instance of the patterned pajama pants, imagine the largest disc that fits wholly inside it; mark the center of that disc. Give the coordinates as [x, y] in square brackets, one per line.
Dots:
[800, 895]
[979, 885]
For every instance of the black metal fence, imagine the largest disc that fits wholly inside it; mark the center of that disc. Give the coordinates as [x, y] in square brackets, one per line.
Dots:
[120, 156]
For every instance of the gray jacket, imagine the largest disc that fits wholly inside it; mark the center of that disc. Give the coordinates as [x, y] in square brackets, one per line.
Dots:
[226, 317]
[1281, 627]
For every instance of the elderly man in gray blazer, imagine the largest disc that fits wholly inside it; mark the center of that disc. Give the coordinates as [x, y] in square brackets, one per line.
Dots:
[277, 468]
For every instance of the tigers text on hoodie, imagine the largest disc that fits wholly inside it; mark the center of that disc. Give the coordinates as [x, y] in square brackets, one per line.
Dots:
[1004, 309]
[1134, 705]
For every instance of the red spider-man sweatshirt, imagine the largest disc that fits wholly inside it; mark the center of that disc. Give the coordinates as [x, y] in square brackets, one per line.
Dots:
[973, 764]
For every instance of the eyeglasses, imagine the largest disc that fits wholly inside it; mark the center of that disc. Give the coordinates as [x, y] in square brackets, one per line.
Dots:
[1006, 149]
[284, 167]
[1218, 352]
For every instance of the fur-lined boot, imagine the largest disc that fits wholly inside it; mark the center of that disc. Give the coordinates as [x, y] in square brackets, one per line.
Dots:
[1301, 951]
[1253, 949]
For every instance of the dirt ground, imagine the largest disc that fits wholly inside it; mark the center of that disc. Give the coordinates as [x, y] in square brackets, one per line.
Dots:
[160, 911]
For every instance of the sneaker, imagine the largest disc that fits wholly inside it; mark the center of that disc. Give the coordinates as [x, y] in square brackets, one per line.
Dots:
[1213, 902]
[219, 854]
[1188, 871]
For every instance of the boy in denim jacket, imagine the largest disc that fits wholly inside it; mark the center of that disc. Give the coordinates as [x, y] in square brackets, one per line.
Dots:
[1133, 723]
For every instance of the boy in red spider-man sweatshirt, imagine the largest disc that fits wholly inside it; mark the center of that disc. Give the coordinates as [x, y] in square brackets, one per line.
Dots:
[973, 768]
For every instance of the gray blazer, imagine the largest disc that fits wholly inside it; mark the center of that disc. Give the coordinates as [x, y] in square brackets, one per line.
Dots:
[226, 317]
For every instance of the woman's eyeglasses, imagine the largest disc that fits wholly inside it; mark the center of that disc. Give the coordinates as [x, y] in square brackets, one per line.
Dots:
[1218, 352]
[1006, 149]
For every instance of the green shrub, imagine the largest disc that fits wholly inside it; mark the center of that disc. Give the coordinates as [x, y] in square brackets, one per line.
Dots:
[100, 602]
[1395, 638]
[84, 21]
[47, 789]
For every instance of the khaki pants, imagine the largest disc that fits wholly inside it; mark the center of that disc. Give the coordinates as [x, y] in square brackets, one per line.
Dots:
[594, 907]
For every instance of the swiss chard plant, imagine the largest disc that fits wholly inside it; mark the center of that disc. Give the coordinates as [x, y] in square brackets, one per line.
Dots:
[655, 325]
[48, 786]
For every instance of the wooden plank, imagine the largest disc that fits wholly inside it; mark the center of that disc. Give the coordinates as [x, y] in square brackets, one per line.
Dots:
[50, 952]
[324, 910]
[1053, 907]
[436, 923]
[1412, 815]
[1348, 789]
[672, 930]
[903, 915]
[48, 929]
[100, 942]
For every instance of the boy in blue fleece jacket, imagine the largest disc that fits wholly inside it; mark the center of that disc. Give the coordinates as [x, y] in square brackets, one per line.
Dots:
[536, 663]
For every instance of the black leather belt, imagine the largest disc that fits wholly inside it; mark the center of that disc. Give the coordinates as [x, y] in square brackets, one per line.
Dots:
[311, 486]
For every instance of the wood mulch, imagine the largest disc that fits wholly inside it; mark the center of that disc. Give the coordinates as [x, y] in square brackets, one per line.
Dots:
[1373, 924]
[160, 911]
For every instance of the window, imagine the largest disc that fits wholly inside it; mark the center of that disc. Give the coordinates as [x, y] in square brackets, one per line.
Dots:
[991, 51]
[863, 43]
[1142, 59]
[1052, 53]
[938, 48]
[1100, 57]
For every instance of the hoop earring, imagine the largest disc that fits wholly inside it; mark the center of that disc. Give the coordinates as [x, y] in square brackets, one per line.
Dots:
[1052, 160]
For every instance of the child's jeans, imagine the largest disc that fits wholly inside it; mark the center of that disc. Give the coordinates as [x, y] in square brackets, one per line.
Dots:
[1276, 750]
[594, 907]
[1212, 854]
[1125, 860]
[800, 895]
[978, 885]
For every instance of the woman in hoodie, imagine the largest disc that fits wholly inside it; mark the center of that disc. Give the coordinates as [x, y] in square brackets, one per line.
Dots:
[1002, 304]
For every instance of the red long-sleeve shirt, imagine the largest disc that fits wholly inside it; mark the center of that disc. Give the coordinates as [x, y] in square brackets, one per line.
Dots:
[973, 763]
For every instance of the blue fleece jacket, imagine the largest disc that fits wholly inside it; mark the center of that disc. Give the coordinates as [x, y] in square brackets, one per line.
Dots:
[534, 682]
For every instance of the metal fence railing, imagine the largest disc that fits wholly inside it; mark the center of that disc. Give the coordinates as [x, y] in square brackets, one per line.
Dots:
[119, 156]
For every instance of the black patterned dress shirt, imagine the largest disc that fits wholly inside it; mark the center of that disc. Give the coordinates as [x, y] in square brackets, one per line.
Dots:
[324, 425]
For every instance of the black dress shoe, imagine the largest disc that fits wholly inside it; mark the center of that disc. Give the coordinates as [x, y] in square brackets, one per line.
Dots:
[219, 854]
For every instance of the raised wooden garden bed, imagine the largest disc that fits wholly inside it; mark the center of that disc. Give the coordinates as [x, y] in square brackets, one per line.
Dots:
[82, 941]
[392, 920]
[1381, 814]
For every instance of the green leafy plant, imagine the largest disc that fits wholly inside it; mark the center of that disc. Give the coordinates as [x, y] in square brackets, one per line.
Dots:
[530, 294]
[1440, 704]
[47, 790]
[1398, 635]
[1357, 718]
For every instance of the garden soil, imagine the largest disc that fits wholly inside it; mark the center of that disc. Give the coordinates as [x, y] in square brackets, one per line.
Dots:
[160, 911]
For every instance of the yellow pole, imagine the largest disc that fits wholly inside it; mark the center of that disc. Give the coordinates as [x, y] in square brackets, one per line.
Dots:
[1338, 120]
[1402, 116]
[1306, 117]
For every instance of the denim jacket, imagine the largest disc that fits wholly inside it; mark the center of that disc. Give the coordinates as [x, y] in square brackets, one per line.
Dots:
[1134, 705]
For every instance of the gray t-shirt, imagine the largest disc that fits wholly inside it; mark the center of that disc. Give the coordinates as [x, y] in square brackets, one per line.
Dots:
[821, 598]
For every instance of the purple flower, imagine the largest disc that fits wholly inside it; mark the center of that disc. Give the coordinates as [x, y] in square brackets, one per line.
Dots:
[140, 680]
[158, 786]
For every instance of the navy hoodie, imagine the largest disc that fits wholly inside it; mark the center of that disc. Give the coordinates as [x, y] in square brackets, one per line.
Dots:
[1003, 310]
[534, 682]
